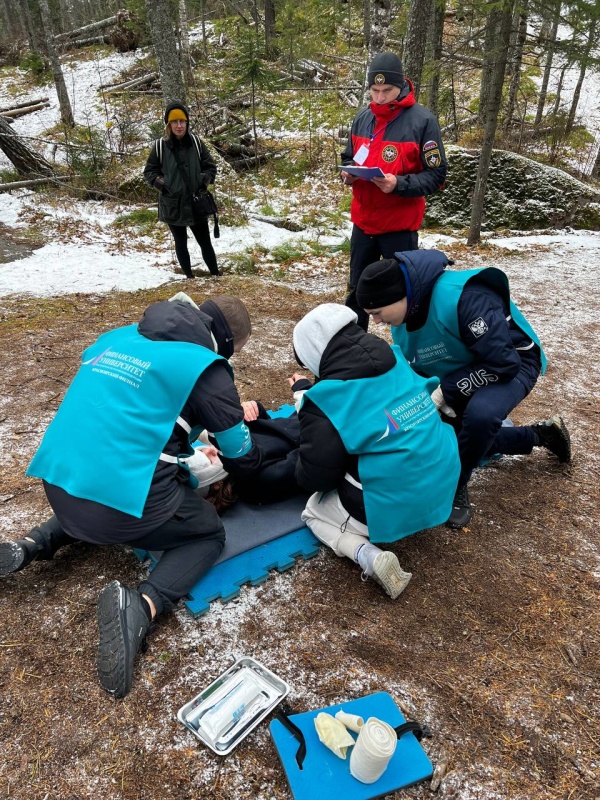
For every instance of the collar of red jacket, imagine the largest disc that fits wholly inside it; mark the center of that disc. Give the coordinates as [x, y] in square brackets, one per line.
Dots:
[384, 113]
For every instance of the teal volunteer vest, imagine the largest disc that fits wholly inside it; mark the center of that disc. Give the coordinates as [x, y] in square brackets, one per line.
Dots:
[436, 348]
[116, 417]
[407, 457]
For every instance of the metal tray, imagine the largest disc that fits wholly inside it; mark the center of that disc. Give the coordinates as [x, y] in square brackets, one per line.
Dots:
[233, 705]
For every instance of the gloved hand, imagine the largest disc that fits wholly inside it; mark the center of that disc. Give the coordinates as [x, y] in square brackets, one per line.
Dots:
[440, 403]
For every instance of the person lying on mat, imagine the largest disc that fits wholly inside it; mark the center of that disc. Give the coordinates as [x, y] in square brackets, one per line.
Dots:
[223, 480]
[143, 388]
[380, 462]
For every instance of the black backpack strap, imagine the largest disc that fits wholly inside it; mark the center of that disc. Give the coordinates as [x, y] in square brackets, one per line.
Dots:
[413, 727]
[282, 714]
[216, 230]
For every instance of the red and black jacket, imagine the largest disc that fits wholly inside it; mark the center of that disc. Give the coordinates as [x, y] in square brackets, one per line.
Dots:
[403, 138]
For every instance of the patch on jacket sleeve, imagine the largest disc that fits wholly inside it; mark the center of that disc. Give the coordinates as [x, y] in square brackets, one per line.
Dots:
[431, 154]
[478, 327]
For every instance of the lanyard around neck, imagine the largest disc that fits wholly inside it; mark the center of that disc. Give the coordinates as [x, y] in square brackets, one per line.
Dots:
[381, 129]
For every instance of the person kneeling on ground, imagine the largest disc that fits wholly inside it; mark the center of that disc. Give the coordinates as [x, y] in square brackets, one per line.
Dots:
[463, 327]
[139, 392]
[381, 463]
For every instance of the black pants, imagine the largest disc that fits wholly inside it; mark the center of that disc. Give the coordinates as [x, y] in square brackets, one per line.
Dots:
[479, 428]
[191, 542]
[202, 236]
[364, 250]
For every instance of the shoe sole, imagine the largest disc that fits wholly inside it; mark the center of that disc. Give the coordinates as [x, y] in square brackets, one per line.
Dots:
[559, 424]
[389, 574]
[462, 523]
[12, 557]
[112, 647]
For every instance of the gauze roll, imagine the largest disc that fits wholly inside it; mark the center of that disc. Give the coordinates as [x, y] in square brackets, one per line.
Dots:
[375, 746]
[351, 721]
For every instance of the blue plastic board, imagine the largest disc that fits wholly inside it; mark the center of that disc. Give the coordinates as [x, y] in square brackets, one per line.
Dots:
[324, 775]
[224, 581]
[283, 411]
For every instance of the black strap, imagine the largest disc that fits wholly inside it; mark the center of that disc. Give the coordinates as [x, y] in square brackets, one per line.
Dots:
[282, 715]
[413, 727]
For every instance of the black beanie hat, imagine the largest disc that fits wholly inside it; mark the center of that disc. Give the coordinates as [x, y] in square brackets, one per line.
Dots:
[173, 106]
[381, 284]
[386, 68]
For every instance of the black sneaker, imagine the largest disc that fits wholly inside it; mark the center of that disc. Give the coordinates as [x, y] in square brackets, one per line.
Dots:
[123, 624]
[461, 509]
[13, 557]
[554, 436]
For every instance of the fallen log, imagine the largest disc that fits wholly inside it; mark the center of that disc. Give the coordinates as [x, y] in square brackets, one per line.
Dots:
[130, 84]
[25, 104]
[93, 26]
[243, 163]
[237, 150]
[20, 112]
[279, 222]
[25, 161]
[76, 43]
[6, 187]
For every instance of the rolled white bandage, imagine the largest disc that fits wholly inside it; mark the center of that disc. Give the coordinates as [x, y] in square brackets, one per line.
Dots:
[351, 721]
[374, 748]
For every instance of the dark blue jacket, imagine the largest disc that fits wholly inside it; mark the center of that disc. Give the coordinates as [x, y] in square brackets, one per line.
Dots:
[496, 352]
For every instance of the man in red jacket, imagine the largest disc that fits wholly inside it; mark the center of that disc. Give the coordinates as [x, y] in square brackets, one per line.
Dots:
[403, 138]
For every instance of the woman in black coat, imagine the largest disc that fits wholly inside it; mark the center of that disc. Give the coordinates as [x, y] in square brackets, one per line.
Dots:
[178, 166]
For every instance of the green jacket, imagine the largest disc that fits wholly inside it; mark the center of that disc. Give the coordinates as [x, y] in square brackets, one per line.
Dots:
[163, 173]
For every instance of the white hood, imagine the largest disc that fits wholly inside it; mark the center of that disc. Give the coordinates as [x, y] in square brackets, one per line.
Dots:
[314, 332]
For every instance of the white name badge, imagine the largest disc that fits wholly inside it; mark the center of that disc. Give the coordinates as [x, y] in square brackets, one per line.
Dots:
[361, 155]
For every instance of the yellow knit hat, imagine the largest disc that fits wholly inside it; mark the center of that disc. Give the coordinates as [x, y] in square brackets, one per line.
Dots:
[176, 113]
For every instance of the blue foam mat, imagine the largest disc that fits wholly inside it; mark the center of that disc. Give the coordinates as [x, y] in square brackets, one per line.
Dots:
[325, 776]
[224, 580]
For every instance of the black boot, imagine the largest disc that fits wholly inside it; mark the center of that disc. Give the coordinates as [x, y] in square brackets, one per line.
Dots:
[123, 624]
[14, 556]
[554, 436]
[461, 509]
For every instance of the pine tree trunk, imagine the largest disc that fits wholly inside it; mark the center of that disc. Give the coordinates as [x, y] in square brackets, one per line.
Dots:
[494, 100]
[13, 22]
[439, 15]
[34, 36]
[559, 87]
[381, 16]
[160, 18]
[66, 113]
[596, 167]
[546, 78]
[418, 26]
[516, 62]
[490, 56]
[269, 26]
[582, 71]
[25, 161]
[184, 42]
[367, 23]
